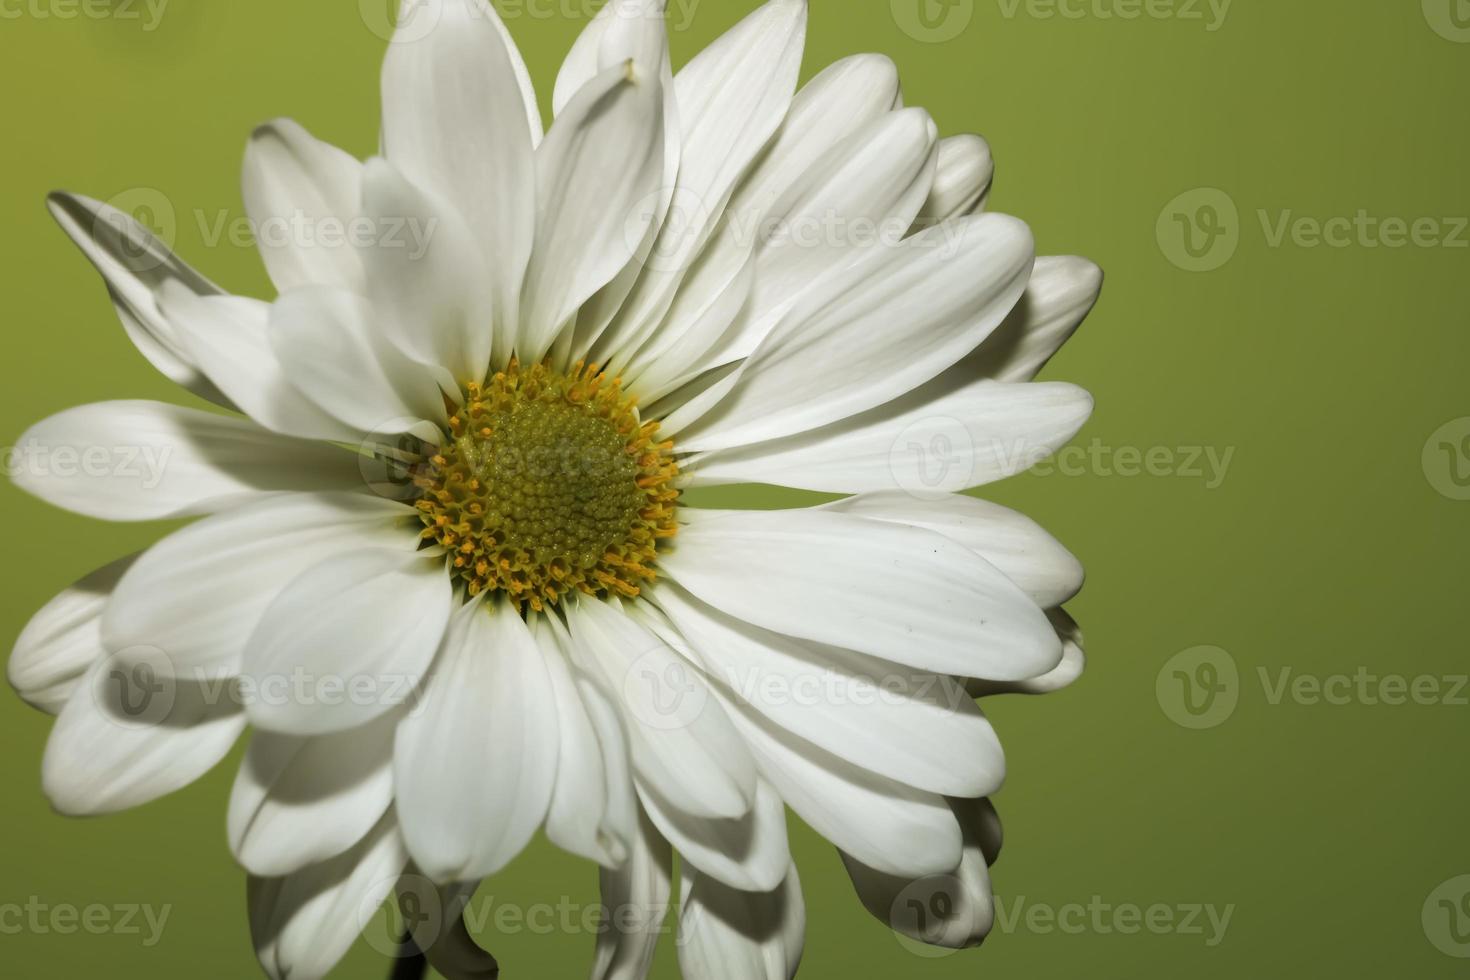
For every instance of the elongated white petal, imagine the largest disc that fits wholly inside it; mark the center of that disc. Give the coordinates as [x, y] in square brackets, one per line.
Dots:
[145, 461]
[636, 897]
[301, 194]
[360, 628]
[1062, 291]
[952, 434]
[622, 30]
[597, 177]
[681, 742]
[1065, 674]
[591, 812]
[457, 122]
[962, 182]
[860, 340]
[428, 286]
[900, 593]
[897, 828]
[954, 910]
[192, 600]
[750, 853]
[869, 712]
[331, 348]
[302, 924]
[229, 338]
[63, 640]
[127, 737]
[1010, 541]
[136, 266]
[476, 760]
[298, 801]
[728, 934]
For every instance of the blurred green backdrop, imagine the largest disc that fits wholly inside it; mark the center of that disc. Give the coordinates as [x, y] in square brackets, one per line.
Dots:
[1271, 341]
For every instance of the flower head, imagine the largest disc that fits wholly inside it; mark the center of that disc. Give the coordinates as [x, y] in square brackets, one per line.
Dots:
[445, 566]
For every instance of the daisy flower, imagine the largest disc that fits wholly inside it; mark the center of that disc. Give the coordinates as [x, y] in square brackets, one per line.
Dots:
[443, 567]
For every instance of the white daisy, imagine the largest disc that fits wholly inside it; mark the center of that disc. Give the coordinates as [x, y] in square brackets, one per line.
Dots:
[513, 623]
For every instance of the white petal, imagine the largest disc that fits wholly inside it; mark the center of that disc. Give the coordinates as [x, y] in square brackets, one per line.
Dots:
[127, 737]
[63, 640]
[597, 178]
[955, 433]
[1009, 540]
[435, 915]
[476, 760]
[891, 826]
[193, 599]
[144, 461]
[300, 194]
[1066, 673]
[428, 285]
[900, 593]
[331, 348]
[304, 923]
[136, 266]
[751, 853]
[229, 338]
[861, 339]
[297, 801]
[1062, 291]
[954, 910]
[622, 30]
[636, 899]
[915, 727]
[458, 123]
[962, 182]
[360, 629]
[727, 934]
[682, 744]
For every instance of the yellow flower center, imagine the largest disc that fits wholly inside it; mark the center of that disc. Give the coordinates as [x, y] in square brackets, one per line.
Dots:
[549, 484]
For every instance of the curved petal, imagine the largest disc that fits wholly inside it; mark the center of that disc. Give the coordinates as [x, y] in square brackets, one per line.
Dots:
[475, 763]
[229, 338]
[331, 348]
[622, 30]
[1066, 673]
[900, 593]
[955, 433]
[954, 910]
[191, 601]
[147, 461]
[681, 743]
[859, 339]
[1011, 541]
[435, 916]
[136, 266]
[1062, 291]
[962, 182]
[127, 737]
[346, 641]
[298, 801]
[457, 122]
[917, 728]
[302, 924]
[728, 934]
[750, 853]
[428, 287]
[635, 900]
[597, 175]
[59, 644]
[300, 194]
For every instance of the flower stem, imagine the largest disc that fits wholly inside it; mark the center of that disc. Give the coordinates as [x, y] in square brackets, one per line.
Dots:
[411, 964]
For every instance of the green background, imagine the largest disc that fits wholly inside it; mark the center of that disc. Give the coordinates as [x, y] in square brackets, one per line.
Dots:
[1325, 549]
